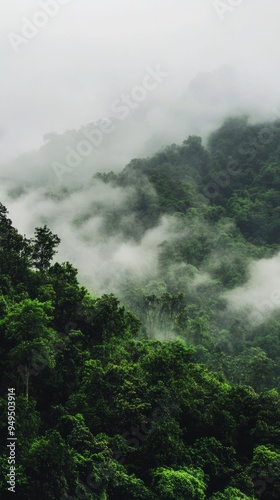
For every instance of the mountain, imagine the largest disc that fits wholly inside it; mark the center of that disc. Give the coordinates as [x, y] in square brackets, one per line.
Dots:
[139, 315]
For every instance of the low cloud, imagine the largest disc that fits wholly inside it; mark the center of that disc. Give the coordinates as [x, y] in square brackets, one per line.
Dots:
[260, 296]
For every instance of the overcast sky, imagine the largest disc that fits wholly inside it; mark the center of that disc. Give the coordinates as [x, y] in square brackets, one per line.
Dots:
[90, 52]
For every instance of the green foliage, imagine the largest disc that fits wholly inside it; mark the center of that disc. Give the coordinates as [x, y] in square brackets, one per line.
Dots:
[43, 247]
[49, 462]
[231, 494]
[179, 484]
[178, 399]
[29, 337]
[265, 470]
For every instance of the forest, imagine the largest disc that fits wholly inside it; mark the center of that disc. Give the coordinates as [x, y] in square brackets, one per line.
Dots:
[168, 387]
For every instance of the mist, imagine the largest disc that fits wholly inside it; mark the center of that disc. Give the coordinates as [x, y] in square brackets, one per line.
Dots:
[65, 117]
[103, 257]
[69, 72]
[260, 296]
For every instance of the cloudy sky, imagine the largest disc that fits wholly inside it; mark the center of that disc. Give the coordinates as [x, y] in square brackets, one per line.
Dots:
[66, 70]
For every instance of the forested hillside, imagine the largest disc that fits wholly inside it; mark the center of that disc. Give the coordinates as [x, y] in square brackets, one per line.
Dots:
[169, 388]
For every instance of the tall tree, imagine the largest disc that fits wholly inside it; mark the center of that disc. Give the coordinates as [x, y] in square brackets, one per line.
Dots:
[30, 338]
[44, 245]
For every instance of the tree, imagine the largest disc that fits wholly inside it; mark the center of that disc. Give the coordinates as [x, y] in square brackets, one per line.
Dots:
[254, 368]
[44, 245]
[231, 494]
[30, 338]
[181, 484]
[265, 471]
[124, 486]
[15, 253]
[68, 293]
[217, 461]
[50, 467]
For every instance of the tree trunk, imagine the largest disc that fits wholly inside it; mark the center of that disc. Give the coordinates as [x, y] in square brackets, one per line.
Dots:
[27, 376]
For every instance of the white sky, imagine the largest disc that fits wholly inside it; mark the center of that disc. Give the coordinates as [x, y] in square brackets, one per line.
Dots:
[93, 50]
